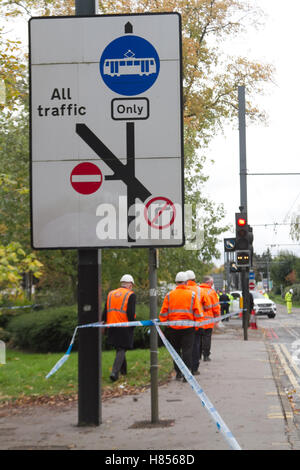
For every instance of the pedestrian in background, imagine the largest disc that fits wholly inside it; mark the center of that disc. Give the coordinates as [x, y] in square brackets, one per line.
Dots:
[214, 310]
[204, 305]
[224, 300]
[181, 304]
[120, 308]
[289, 300]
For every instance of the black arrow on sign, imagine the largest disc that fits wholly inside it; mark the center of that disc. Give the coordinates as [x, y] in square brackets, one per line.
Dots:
[125, 173]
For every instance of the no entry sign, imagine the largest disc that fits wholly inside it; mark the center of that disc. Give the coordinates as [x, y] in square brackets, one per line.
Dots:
[86, 178]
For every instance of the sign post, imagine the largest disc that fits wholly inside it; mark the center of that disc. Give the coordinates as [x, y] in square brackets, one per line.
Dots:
[106, 146]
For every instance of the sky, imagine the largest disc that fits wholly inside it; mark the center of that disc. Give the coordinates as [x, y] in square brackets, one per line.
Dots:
[269, 149]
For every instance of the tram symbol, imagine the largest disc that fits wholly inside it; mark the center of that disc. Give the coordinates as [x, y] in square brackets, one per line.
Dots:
[129, 65]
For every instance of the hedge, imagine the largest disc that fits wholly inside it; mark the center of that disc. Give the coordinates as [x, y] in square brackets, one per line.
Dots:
[51, 330]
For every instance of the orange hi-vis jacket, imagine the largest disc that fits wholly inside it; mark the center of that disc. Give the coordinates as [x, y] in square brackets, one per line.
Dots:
[213, 309]
[117, 301]
[202, 296]
[181, 304]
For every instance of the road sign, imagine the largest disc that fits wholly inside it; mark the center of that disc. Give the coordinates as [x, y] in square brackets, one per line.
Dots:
[229, 244]
[106, 131]
[86, 178]
[252, 285]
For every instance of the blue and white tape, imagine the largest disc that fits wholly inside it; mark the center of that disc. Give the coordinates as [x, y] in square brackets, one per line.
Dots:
[131, 324]
[222, 427]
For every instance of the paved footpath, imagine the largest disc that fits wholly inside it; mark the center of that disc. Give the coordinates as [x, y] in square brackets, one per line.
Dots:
[238, 381]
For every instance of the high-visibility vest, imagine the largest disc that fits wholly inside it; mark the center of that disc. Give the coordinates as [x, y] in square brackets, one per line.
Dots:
[116, 305]
[202, 296]
[288, 297]
[213, 309]
[180, 304]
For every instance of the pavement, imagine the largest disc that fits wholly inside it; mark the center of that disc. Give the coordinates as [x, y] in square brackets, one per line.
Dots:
[239, 381]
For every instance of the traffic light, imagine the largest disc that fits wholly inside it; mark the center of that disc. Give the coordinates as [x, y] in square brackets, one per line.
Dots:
[244, 238]
[243, 258]
[242, 232]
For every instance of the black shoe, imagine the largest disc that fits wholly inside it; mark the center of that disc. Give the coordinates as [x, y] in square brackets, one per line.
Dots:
[206, 359]
[196, 372]
[113, 377]
[178, 376]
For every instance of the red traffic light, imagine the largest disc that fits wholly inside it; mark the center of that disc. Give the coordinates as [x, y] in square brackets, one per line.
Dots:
[241, 222]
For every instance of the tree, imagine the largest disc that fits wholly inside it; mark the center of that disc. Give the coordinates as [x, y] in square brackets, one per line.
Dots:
[282, 268]
[210, 82]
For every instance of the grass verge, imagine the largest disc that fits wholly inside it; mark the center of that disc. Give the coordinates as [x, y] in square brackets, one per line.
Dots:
[23, 375]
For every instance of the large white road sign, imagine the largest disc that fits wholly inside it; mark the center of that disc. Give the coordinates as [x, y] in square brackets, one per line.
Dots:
[106, 131]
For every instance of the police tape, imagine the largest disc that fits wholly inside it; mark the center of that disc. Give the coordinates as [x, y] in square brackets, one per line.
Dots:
[221, 426]
[66, 356]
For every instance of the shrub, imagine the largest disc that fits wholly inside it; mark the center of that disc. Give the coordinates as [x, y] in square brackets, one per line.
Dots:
[51, 330]
[45, 330]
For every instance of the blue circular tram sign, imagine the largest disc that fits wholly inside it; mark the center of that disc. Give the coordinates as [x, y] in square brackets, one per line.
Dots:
[129, 65]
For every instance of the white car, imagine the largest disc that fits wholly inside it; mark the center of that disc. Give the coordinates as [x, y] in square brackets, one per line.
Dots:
[262, 305]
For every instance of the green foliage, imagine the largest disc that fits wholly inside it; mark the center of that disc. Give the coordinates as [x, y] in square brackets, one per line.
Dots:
[43, 331]
[51, 330]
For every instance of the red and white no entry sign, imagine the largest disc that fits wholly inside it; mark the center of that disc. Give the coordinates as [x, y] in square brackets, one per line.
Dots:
[160, 212]
[86, 178]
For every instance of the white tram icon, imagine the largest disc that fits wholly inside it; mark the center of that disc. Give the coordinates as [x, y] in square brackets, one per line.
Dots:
[129, 65]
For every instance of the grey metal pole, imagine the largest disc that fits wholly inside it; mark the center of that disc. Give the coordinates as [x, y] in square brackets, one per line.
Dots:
[85, 7]
[89, 311]
[243, 199]
[153, 261]
[242, 140]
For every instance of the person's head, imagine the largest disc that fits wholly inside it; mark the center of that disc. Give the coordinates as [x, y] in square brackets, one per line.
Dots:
[127, 281]
[208, 280]
[190, 275]
[291, 291]
[181, 278]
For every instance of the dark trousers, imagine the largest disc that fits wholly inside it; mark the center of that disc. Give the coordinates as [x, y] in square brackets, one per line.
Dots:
[205, 341]
[120, 364]
[196, 351]
[224, 311]
[182, 341]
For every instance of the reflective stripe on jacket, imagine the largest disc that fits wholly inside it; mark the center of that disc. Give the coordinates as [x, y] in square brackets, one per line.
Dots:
[213, 309]
[117, 301]
[202, 296]
[180, 304]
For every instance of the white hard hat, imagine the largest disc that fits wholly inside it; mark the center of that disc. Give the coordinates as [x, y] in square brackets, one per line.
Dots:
[291, 291]
[190, 275]
[181, 277]
[127, 278]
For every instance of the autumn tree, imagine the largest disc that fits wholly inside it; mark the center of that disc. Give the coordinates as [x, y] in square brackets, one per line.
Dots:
[210, 83]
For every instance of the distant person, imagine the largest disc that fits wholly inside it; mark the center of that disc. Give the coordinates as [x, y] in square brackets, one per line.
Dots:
[204, 305]
[120, 308]
[213, 311]
[289, 300]
[224, 303]
[181, 304]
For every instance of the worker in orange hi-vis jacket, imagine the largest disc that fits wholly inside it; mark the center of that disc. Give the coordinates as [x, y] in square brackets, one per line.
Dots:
[181, 304]
[204, 305]
[211, 311]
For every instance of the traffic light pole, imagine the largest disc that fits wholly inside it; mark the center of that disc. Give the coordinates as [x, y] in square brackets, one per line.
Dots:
[243, 195]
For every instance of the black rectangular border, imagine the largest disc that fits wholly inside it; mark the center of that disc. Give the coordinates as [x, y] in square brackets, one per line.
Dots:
[181, 119]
